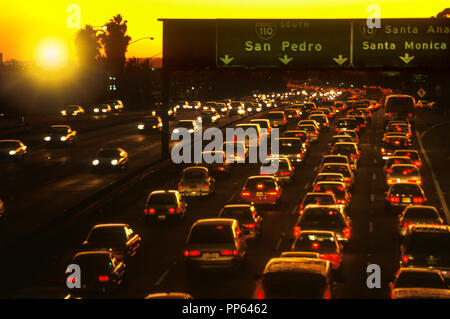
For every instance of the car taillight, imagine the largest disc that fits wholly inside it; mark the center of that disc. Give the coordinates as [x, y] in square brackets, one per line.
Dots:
[335, 259]
[103, 278]
[347, 232]
[341, 201]
[417, 163]
[388, 170]
[390, 180]
[409, 114]
[260, 186]
[285, 173]
[417, 181]
[229, 252]
[405, 259]
[406, 224]
[273, 193]
[221, 168]
[180, 187]
[336, 129]
[417, 200]
[245, 194]
[296, 231]
[249, 225]
[389, 114]
[347, 180]
[205, 186]
[149, 211]
[394, 199]
[363, 125]
[171, 210]
[193, 253]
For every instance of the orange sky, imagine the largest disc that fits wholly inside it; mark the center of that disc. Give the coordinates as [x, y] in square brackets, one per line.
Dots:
[25, 23]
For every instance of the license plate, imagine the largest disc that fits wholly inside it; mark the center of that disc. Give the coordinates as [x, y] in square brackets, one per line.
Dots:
[161, 217]
[259, 194]
[406, 200]
[211, 256]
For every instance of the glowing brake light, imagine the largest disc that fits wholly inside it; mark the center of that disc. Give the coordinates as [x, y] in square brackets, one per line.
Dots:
[149, 211]
[285, 173]
[417, 200]
[205, 186]
[171, 210]
[260, 186]
[221, 168]
[103, 278]
[315, 245]
[245, 194]
[249, 225]
[405, 259]
[229, 252]
[273, 193]
[406, 224]
[335, 259]
[394, 199]
[193, 253]
[347, 232]
[296, 231]
[417, 163]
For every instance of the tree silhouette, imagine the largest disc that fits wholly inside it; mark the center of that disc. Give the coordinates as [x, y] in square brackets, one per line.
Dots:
[87, 46]
[115, 43]
[444, 13]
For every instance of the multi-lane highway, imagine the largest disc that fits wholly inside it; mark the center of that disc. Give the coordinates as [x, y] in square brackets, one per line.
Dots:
[37, 266]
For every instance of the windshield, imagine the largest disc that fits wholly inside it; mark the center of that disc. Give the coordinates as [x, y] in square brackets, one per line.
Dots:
[162, 199]
[400, 104]
[243, 214]
[321, 199]
[421, 213]
[290, 146]
[319, 218]
[209, 234]
[429, 243]
[417, 279]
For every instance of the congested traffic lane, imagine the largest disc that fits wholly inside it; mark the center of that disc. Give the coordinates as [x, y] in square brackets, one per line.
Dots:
[160, 265]
[51, 180]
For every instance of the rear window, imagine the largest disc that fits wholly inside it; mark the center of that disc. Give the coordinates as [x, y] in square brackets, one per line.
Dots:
[344, 148]
[400, 160]
[162, 199]
[429, 243]
[107, 235]
[252, 184]
[194, 174]
[416, 279]
[421, 213]
[293, 284]
[395, 142]
[307, 128]
[336, 169]
[321, 218]
[239, 213]
[404, 170]
[401, 104]
[315, 243]
[151, 120]
[207, 234]
[282, 165]
[335, 159]
[92, 262]
[337, 190]
[398, 128]
[275, 116]
[328, 177]
[318, 200]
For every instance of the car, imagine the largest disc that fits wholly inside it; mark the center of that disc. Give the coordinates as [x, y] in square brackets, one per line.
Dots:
[412, 154]
[366, 113]
[328, 112]
[418, 278]
[237, 108]
[222, 108]
[12, 149]
[340, 168]
[323, 242]
[399, 128]
[235, 151]
[346, 124]
[264, 125]
[101, 273]
[102, 109]
[388, 135]
[392, 144]
[337, 159]
[252, 107]
[400, 195]
[216, 162]
[2, 209]
[60, 135]
[262, 190]
[116, 105]
[250, 221]
[360, 118]
[189, 125]
[108, 158]
[394, 160]
[418, 215]
[215, 243]
[150, 124]
[309, 122]
[340, 106]
[316, 198]
[340, 138]
[72, 110]
[339, 190]
[321, 119]
[351, 133]
[182, 105]
[210, 105]
[292, 115]
[349, 149]
[169, 295]
[165, 205]
[252, 132]
[280, 167]
[119, 239]
[331, 177]
[209, 116]
[427, 246]
[303, 136]
[313, 132]
[295, 278]
[403, 173]
[351, 104]
[327, 218]
[309, 106]
[196, 181]
[399, 107]
[277, 119]
[292, 148]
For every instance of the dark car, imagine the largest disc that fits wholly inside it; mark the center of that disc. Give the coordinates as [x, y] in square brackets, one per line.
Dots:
[347, 124]
[150, 124]
[427, 246]
[316, 198]
[418, 215]
[209, 116]
[119, 239]
[250, 221]
[12, 149]
[401, 195]
[391, 144]
[61, 135]
[100, 273]
[292, 148]
[165, 205]
[215, 243]
[110, 158]
[418, 278]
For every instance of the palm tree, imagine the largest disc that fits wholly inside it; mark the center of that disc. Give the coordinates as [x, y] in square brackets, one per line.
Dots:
[444, 13]
[88, 46]
[115, 43]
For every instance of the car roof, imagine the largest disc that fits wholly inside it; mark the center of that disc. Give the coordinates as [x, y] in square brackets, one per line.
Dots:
[64, 126]
[314, 206]
[195, 168]
[309, 265]
[110, 225]
[429, 228]
[405, 150]
[169, 191]
[15, 141]
[261, 177]
[169, 295]
[215, 221]
[421, 207]
[418, 269]
[92, 252]
[330, 182]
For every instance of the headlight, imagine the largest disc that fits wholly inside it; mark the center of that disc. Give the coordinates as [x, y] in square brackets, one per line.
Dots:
[199, 118]
[63, 138]
[249, 109]
[63, 112]
[96, 110]
[95, 162]
[12, 152]
[116, 107]
[258, 109]
[141, 126]
[191, 131]
[114, 162]
[214, 118]
[104, 110]
[47, 138]
[176, 130]
[224, 109]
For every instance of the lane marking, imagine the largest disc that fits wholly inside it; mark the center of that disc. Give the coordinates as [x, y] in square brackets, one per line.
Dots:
[370, 227]
[433, 176]
[164, 275]
[374, 176]
[372, 197]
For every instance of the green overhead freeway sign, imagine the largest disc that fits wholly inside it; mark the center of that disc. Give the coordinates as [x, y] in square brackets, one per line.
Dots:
[283, 43]
[402, 43]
